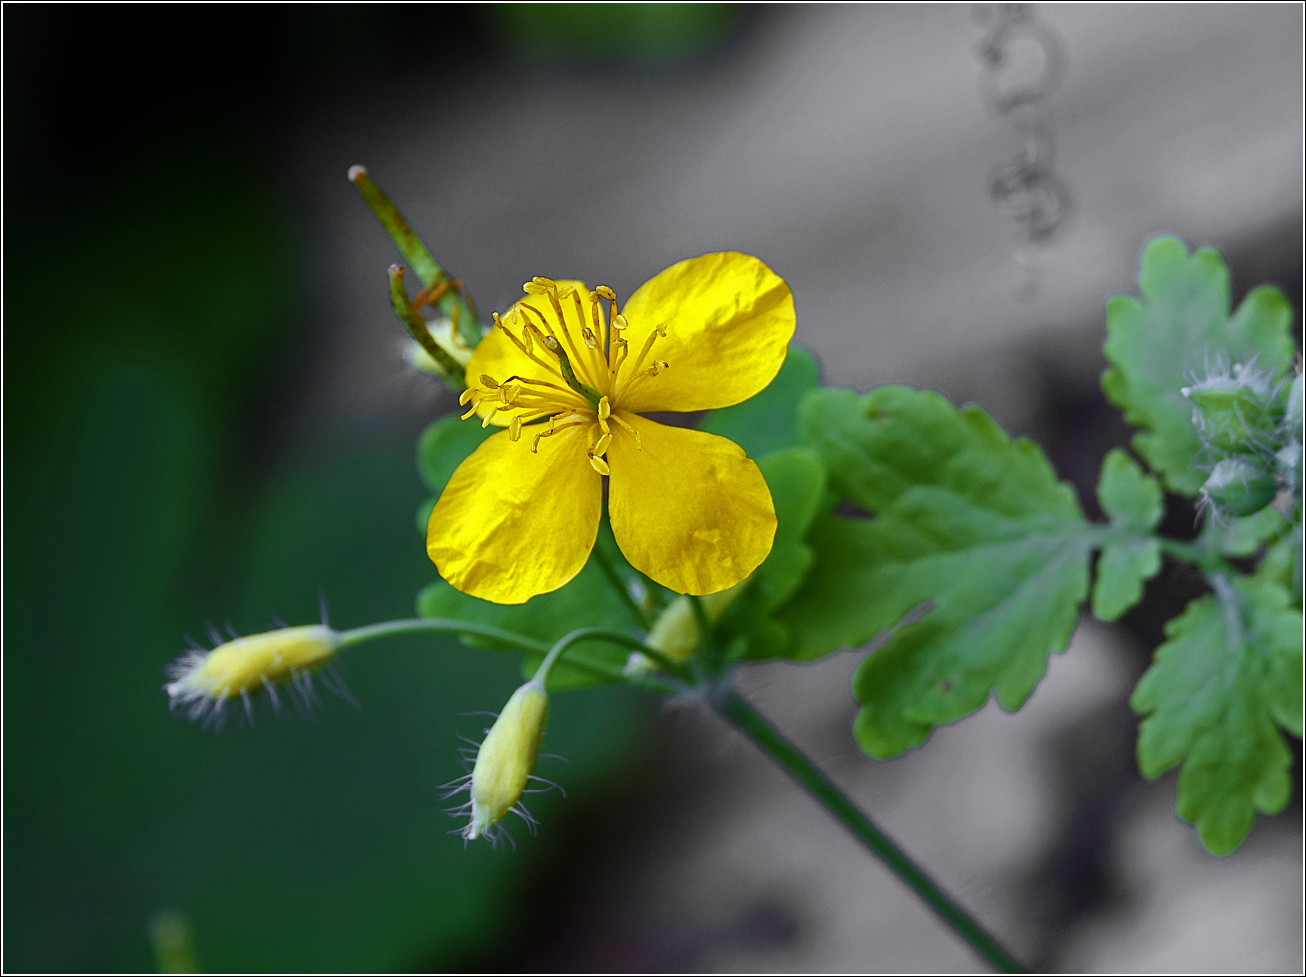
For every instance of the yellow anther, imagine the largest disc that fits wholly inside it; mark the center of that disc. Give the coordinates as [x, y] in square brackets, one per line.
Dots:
[535, 448]
[619, 321]
[486, 423]
[601, 445]
[662, 329]
[471, 410]
[606, 292]
[465, 396]
[590, 339]
[533, 287]
[600, 466]
[489, 381]
[663, 364]
[605, 409]
[514, 429]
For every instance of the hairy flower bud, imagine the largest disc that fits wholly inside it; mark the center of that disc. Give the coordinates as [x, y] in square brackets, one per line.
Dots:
[1239, 486]
[1235, 410]
[203, 682]
[506, 760]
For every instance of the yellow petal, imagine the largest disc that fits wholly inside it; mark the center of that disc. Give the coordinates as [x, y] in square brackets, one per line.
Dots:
[729, 319]
[688, 508]
[499, 357]
[511, 523]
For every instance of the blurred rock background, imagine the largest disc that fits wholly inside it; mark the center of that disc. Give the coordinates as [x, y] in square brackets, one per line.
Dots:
[206, 416]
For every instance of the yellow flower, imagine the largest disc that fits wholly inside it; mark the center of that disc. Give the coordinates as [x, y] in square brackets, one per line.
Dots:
[689, 509]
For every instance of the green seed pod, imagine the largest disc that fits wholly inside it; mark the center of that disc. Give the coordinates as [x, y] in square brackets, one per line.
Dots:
[1240, 486]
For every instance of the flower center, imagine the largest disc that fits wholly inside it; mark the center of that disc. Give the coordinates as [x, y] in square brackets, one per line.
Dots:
[583, 367]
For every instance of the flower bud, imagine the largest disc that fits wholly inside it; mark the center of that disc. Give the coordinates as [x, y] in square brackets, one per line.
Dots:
[204, 681]
[506, 760]
[675, 632]
[1239, 486]
[1233, 410]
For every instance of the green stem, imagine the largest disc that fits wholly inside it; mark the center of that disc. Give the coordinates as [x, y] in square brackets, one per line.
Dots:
[416, 326]
[745, 718]
[453, 303]
[417, 625]
[519, 642]
[619, 585]
[626, 641]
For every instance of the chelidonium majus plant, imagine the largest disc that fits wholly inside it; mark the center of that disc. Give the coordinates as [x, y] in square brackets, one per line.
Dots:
[609, 547]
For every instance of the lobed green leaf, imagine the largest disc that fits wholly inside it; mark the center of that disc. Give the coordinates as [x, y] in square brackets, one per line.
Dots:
[1165, 340]
[968, 522]
[797, 482]
[1131, 555]
[1228, 675]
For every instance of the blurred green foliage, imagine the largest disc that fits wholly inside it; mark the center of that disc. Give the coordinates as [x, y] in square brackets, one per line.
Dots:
[613, 33]
[145, 338]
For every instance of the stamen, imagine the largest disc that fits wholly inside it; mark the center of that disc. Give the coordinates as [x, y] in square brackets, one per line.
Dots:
[601, 445]
[656, 334]
[594, 317]
[465, 396]
[551, 289]
[606, 292]
[525, 347]
[630, 427]
[620, 349]
[553, 430]
[514, 429]
[488, 381]
[619, 321]
[537, 383]
[605, 409]
[486, 423]
[590, 339]
[600, 466]
[476, 402]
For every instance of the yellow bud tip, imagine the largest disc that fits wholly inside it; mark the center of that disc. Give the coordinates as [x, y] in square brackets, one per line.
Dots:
[203, 682]
[357, 173]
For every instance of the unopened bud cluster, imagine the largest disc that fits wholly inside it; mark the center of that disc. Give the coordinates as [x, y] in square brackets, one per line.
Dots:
[1250, 426]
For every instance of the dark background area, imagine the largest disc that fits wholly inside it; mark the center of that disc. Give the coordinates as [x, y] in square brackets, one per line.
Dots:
[201, 425]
